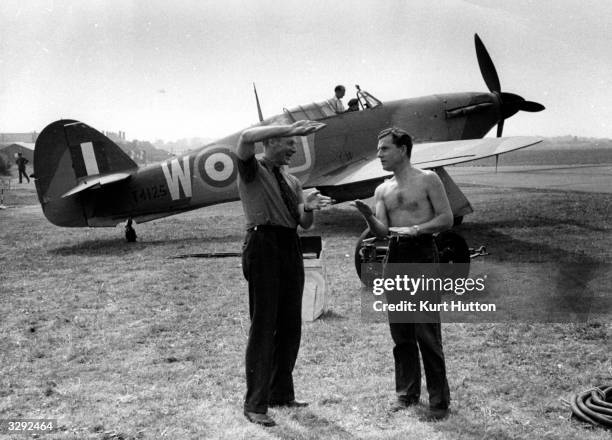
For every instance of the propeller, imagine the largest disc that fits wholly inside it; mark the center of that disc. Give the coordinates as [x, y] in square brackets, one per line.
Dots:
[509, 102]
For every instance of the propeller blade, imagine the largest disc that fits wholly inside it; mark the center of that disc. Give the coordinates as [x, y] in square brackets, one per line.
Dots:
[530, 106]
[512, 103]
[500, 128]
[487, 68]
[509, 103]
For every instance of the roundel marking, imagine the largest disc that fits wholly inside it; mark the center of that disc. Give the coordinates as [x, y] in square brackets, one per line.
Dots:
[218, 167]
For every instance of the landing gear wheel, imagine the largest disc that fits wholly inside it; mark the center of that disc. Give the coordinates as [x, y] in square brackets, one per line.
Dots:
[130, 232]
[356, 254]
[374, 253]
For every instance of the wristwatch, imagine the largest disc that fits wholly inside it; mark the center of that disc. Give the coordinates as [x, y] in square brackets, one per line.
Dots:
[307, 210]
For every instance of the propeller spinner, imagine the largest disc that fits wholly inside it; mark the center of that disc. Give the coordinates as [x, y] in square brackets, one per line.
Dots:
[509, 102]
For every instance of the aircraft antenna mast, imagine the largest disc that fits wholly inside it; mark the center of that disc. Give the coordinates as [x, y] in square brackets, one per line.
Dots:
[258, 105]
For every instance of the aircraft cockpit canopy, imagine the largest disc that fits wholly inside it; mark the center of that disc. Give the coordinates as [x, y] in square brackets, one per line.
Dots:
[321, 110]
[366, 100]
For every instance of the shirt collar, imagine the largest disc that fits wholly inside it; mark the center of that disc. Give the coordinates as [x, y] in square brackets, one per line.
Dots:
[269, 164]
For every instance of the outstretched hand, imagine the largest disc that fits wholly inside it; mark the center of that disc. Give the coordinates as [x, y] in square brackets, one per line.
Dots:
[305, 127]
[316, 201]
[408, 231]
[363, 208]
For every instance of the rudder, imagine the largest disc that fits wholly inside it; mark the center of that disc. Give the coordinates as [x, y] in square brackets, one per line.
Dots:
[67, 153]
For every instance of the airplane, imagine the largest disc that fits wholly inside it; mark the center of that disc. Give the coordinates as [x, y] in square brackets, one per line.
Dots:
[83, 179]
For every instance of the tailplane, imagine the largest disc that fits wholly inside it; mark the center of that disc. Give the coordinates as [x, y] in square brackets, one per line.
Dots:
[70, 155]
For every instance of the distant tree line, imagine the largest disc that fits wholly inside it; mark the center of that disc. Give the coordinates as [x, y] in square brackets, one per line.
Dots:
[143, 151]
[183, 145]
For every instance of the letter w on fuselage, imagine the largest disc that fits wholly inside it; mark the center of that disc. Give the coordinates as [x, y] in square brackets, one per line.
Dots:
[179, 177]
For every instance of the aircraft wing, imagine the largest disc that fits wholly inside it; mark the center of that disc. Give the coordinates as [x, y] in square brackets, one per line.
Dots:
[96, 182]
[426, 156]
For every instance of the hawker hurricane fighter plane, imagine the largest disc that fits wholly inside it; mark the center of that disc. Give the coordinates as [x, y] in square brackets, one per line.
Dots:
[84, 179]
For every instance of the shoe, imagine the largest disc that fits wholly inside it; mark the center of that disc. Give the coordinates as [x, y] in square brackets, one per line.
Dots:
[401, 404]
[435, 414]
[259, 418]
[289, 404]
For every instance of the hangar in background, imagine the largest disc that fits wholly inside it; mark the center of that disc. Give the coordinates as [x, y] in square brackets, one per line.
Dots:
[11, 150]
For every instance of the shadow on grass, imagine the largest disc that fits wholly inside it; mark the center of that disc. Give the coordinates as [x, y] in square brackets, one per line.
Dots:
[316, 426]
[535, 222]
[504, 248]
[574, 276]
[330, 315]
[118, 246]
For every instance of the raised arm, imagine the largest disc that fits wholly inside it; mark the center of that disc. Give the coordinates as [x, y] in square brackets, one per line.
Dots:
[246, 142]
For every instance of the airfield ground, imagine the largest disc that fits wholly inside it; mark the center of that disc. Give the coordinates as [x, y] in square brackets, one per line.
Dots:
[119, 340]
[595, 178]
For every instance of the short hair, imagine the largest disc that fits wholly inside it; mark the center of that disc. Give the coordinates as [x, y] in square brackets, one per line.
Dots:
[353, 101]
[400, 138]
[339, 88]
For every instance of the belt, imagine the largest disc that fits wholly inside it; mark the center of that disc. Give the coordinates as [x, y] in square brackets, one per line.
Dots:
[408, 238]
[272, 228]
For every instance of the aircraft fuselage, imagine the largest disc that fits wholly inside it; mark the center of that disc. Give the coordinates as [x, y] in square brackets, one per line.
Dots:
[208, 175]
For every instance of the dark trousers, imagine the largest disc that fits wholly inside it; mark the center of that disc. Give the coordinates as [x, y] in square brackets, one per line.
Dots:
[411, 337]
[23, 172]
[273, 266]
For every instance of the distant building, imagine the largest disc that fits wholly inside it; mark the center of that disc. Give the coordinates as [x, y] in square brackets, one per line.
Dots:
[115, 136]
[25, 148]
[8, 138]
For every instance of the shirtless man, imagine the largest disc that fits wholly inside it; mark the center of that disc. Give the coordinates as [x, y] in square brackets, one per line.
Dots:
[411, 207]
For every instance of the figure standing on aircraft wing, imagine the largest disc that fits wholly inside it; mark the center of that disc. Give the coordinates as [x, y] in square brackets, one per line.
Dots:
[21, 166]
[411, 207]
[336, 101]
[274, 206]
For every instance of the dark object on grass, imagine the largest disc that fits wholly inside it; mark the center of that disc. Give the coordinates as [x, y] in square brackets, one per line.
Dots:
[594, 406]
[130, 233]
[210, 255]
[311, 246]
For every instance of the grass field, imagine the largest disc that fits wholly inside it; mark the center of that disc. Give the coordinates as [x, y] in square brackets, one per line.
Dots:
[120, 341]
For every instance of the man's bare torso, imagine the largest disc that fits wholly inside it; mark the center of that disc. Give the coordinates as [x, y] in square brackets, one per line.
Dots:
[409, 203]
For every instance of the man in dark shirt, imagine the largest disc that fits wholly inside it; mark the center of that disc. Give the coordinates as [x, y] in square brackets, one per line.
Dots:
[21, 166]
[274, 206]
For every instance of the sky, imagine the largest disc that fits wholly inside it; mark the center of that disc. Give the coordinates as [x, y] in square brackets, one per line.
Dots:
[170, 70]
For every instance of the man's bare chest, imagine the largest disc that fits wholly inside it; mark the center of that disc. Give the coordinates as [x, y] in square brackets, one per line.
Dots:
[405, 199]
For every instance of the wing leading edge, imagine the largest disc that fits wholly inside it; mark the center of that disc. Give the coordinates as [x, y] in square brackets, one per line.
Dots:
[429, 155]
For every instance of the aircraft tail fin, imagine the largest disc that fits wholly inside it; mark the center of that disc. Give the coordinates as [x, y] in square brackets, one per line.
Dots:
[67, 154]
